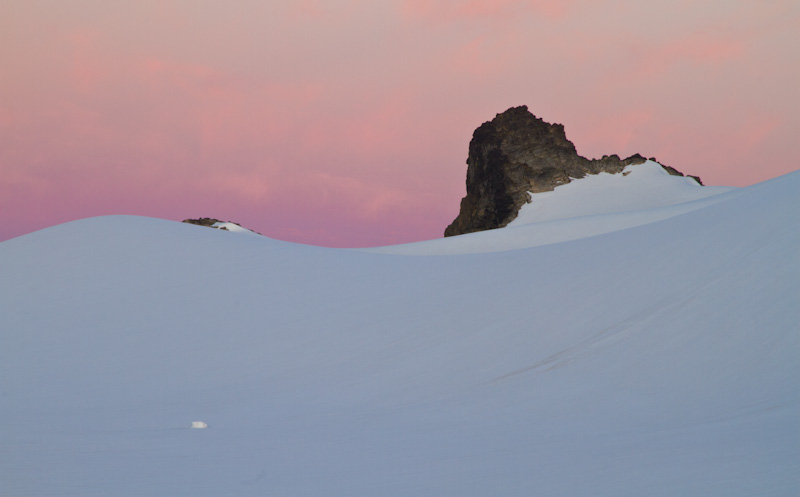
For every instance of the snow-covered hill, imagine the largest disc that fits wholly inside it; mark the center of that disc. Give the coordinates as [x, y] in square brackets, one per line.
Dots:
[657, 360]
[589, 206]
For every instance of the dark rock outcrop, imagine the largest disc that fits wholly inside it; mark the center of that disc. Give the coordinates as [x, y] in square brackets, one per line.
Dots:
[516, 153]
[675, 172]
[210, 222]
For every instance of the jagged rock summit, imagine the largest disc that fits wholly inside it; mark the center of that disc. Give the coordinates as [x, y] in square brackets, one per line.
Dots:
[514, 154]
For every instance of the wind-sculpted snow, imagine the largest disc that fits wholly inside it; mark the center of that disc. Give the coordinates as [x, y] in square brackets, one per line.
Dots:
[658, 360]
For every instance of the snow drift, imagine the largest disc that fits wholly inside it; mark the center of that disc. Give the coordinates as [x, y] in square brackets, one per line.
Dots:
[659, 360]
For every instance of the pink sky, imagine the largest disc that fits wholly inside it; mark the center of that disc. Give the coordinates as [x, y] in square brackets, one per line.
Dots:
[346, 123]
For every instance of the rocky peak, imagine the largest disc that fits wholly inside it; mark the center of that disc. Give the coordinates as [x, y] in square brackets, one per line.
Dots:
[514, 154]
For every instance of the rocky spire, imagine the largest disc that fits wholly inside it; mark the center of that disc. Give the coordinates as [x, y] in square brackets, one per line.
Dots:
[516, 153]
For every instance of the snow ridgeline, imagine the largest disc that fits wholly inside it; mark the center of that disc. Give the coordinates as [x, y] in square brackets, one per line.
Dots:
[655, 360]
[589, 206]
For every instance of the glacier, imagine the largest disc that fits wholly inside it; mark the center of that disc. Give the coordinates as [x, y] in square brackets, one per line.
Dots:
[630, 349]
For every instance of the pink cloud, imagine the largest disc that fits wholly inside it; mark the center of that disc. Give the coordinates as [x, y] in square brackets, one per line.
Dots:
[615, 133]
[252, 189]
[347, 123]
[478, 58]
[753, 133]
[225, 111]
[307, 9]
[86, 73]
[697, 49]
[455, 10]
[374, 199]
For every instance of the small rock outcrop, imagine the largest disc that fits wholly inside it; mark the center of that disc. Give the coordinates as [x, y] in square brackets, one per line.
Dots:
[209, 222]
[675, 172]
[516, 153]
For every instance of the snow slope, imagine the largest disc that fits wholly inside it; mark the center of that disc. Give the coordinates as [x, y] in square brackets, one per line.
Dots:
[658, 360]
[636, 188]
[233, 227]
[589, 206]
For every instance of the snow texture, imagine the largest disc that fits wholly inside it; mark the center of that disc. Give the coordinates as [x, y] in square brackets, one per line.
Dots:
[657, 359]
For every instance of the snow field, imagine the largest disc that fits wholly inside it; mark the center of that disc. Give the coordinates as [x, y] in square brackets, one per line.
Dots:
[655, 360]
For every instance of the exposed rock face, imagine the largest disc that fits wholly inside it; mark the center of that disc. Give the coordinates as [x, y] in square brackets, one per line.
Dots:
[675, 172]
[516, 153]
[203, 221]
